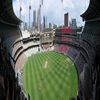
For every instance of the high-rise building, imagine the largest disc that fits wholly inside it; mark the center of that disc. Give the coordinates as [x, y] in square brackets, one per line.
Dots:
[25, 26]
[50, 25]
[34, 18]
[73, 23]
[44, 22]
[66, 20]
[39, 19]
[54, 26]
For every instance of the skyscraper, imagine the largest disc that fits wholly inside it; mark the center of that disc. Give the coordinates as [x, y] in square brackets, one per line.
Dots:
[34, 18]
[73, 23]
[50, 25]
[66, 20]
[44, 22]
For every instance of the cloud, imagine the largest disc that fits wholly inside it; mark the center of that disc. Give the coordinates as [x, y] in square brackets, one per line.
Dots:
[68, 4]
[53, 9]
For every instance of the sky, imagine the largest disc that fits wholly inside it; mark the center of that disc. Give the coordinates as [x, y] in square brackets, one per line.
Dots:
[53, 9]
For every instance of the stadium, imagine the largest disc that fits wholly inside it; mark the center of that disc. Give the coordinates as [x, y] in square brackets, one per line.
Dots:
[56, 64]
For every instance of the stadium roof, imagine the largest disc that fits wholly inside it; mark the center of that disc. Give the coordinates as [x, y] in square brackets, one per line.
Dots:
[7, 15]
[93, 11]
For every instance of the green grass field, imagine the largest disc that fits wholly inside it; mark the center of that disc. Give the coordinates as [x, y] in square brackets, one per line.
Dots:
[50, 76]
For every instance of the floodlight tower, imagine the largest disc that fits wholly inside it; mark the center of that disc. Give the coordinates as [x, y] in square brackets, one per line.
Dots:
[29, 12]
[62, 9]
[39, 18]
[39, 14]
[20, 9]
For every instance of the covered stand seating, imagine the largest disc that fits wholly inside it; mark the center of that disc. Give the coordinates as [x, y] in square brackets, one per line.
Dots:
[9, 83]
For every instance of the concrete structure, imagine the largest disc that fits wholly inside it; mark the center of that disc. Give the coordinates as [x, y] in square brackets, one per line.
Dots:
[34, 19]
[66, 20]
[44, 22]
[50, 25]
[73, 23]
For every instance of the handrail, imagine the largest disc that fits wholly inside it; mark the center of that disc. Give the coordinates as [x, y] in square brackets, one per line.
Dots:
[16, 43]
[24, 51]
[67, 36]
[61, 33]
[13, 60]
[21, 47]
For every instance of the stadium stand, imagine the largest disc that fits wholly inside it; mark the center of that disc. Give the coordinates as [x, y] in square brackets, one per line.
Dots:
[80, 63]
[8, 80]
[62, 48]
[73, 53]
[85, 52]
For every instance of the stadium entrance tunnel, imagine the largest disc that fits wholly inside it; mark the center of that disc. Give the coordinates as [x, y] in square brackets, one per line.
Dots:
[50, 76]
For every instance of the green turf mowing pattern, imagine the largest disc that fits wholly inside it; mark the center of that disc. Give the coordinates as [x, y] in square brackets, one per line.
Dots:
[50, 76]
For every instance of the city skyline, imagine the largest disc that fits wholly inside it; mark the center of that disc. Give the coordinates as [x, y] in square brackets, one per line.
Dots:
[54, 11]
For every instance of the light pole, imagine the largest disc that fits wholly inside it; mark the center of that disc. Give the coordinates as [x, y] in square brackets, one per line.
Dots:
[20, 9]
[62, 12]
[29, 12]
